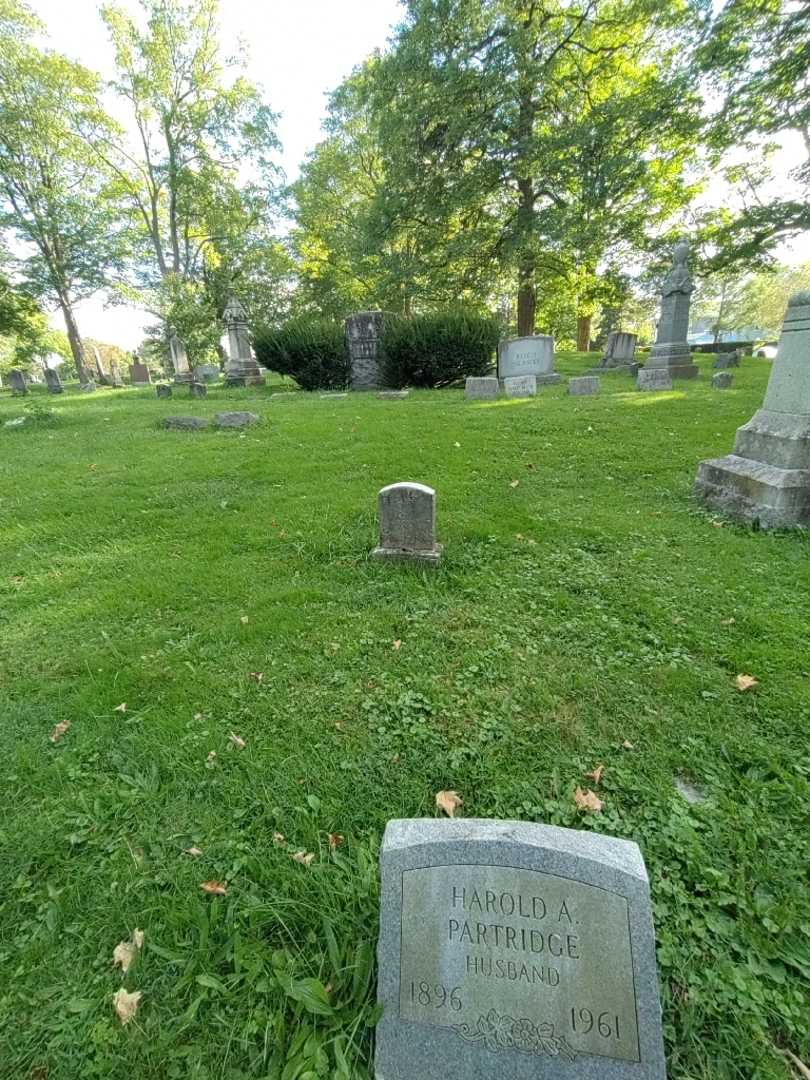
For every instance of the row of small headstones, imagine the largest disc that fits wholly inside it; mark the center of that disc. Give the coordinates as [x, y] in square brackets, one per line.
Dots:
[487, 388]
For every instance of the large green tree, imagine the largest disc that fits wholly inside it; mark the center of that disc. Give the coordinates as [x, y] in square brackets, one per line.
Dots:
[55, 198]
[197, 176]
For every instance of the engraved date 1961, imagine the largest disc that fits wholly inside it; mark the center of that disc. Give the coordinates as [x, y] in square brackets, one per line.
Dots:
[436, 996]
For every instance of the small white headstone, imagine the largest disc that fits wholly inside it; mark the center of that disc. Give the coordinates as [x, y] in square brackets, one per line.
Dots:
[520, 386]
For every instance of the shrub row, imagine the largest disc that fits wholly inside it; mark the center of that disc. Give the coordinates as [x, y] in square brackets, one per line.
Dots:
[423, 351]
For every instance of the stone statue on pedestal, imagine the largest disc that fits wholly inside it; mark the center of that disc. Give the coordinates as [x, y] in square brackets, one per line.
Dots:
[241, 369]
[671, 350]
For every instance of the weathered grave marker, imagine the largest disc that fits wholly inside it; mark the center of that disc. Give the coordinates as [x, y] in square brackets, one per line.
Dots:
[671, 350]
[241, 369]
[392, 395]
[654, 379]
[53, 382]
[363, 333]
[481, 388]
[722, 380]
[766, 478]
[163, 390]
[139, 374]
[584, 385]
[182, 368]
[619, 350]
[520, 386]
[515, 950]
[533, 355]
[17, 382]
[197, 390]
[408, 524]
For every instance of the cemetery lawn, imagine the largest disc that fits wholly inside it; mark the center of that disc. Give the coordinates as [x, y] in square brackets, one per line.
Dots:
[166, 591]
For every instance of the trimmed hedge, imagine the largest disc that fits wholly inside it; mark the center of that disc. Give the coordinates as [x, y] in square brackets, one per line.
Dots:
[439, 349]
[310, 350]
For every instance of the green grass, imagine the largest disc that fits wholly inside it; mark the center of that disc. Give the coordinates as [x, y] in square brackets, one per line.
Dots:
[587, 605]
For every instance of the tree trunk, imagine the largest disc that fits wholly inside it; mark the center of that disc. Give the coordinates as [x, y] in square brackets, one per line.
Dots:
[76, 346]
[527, 289]
[584, 333]
[526, 301]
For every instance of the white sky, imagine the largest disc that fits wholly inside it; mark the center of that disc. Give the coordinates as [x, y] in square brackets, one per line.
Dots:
[298, 51]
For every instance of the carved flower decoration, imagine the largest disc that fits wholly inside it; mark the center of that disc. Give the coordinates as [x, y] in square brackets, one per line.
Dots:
[524, 1036]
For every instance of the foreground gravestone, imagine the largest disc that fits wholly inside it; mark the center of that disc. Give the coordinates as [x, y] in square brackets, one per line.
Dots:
[766, 478]
[722, 380]
[517, 386]
[53, 382]
[584, 385]
[139, 374]
[363, 334]
[671, 350]
[481, 388]
[163, 391]
[619, 350]
[533, 355]
[197, 390]
[17, 382]
[408, 524]
[88, 386]
[653, 379]
[208, 373]
[516, 951]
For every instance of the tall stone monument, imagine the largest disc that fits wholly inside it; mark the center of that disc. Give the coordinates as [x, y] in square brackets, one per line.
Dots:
[241, 369]
[671, 350]
[766, 478]
[363, 333]
[517, 951]
[182, 368]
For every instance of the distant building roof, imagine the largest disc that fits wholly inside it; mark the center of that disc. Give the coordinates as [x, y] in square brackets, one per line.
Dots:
[699, 336]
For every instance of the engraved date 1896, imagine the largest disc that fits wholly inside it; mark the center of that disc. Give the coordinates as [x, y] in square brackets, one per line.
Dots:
[436, 996]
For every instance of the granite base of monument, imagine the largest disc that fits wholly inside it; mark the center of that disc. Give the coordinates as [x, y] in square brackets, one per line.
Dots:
[515, 950]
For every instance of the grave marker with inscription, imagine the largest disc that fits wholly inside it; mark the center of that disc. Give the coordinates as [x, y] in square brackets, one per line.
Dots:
[533, 355]
[517, 950]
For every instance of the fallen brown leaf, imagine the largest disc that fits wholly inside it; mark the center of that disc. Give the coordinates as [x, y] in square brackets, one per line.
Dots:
[121, 708]
[335, 840]
[237, 741]
[586, 800]
[306, 858]
[279, 838]
[59, 731]
[126, 1004]
[244, 619]
[595, 774]
[397, 645]
[728, 622]
[125, 952]
[746, 682]
[194, 852]
[449, 802]
[214, 888]
[212, 757]
[627, 745]
[257, 675]
[514, 483]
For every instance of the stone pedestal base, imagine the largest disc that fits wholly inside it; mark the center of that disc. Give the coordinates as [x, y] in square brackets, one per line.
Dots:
[540, 380]
[244, 376]
[431, 557]
[769, 495]
[675, 357]
[183, 378]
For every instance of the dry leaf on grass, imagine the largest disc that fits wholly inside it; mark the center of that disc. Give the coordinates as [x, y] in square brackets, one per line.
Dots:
[595, 774]
[397, 645]
[194, 852]
[257, 675]
[514, 483]
[126, 1004]
[279, 838]
[728, 622]
[449, 802]
[746, 682]
[335, 840]
[586, 800]
[211, 758]
[306, 858]
[214, 888]
[237, 741]
[125, 952]
[121, 708]
[243, 619]
[627, 745]
[59, 731]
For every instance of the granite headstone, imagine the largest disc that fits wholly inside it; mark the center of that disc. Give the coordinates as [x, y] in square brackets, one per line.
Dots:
[17, 382]
[766, 478]
[139, 374]
[363, 333]
[619, 349]
[722, 380]
[241, 368]
[532, 355]
[481, 388]
[671, 350]
[53, 382]
[515, 950]
[408, 524]
[516, 386]
[584, 385]
[653, 379]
